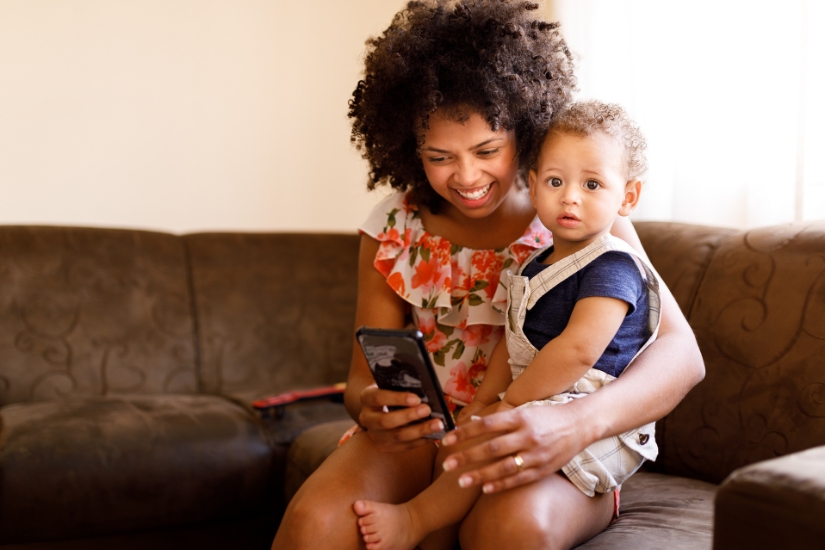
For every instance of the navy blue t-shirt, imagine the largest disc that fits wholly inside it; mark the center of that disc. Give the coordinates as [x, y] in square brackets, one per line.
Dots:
[613, 275]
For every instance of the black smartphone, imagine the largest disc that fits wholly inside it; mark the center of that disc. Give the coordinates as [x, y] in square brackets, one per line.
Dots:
[399, 361]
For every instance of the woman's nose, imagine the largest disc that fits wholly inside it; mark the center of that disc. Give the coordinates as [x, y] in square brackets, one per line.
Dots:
[467, 172]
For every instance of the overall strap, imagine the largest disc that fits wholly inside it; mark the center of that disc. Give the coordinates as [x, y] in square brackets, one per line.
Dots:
[554, 274]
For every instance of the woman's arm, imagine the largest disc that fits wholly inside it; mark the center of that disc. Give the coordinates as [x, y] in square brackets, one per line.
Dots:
[379, 306]
[548, 437]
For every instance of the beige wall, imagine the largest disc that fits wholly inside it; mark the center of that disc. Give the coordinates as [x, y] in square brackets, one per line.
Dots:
[183, 115]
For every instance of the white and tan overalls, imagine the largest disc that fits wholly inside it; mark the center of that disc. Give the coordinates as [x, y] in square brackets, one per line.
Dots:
[606, 464]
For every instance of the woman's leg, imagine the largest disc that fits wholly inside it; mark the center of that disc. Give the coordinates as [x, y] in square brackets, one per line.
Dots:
[430, 520]
[321, 515]
[548, 514]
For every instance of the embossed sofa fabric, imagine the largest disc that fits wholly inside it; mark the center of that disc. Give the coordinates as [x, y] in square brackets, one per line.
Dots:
[273, 311]
[88, 312]
[128, 360]
[777, 503]
[759, 318]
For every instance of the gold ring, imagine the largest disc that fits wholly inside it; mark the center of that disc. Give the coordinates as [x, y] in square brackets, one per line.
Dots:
[519, 461]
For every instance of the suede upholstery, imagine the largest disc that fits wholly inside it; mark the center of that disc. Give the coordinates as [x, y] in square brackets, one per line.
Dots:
[128, 361]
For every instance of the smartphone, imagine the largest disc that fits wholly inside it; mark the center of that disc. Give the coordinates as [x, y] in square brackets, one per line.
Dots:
[399, 361]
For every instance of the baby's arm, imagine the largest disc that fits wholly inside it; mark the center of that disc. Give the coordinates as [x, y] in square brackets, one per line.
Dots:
[496, 379]
[566, 358]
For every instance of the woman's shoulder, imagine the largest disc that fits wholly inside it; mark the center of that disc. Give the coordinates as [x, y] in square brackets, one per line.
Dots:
[392, 214]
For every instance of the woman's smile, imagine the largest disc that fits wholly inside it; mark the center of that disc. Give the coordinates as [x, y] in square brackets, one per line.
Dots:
[476, 194]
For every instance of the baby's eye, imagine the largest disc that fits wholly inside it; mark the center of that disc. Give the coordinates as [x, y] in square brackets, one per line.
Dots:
[592, 184]
[554, 182]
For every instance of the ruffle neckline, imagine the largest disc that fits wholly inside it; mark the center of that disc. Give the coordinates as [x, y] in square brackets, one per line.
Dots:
[429, 272]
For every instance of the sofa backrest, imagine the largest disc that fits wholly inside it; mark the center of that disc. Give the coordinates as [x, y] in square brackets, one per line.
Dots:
[93, 312]
[89, 312]
[756, 301]
[274, 311]
[103, 311]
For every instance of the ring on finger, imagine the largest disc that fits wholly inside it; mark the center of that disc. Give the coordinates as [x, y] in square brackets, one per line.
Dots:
[519, 461]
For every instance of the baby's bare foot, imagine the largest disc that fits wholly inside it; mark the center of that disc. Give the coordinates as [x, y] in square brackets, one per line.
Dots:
[387, 526]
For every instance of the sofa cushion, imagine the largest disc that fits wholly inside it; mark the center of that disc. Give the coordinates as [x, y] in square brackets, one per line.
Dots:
[107, 465]
[661, 511]
[777, 503]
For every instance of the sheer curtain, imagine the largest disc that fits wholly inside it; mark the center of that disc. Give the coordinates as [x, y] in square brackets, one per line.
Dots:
[729, 94]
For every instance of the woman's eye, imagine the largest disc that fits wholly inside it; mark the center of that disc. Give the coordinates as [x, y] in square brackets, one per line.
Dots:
[592, 184]
[554, 182]
[436, 160]
[487, 152]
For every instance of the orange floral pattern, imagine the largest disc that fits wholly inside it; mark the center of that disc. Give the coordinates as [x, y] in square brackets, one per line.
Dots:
[451, 289]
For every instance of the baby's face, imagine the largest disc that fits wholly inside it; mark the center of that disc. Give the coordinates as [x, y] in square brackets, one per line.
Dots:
[579, 186]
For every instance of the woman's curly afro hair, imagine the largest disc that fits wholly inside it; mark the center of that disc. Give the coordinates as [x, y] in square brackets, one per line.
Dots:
[489, 56]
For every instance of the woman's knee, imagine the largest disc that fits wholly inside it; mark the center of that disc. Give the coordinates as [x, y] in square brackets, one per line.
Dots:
[310, 517]
[526, 531]
[548, 514]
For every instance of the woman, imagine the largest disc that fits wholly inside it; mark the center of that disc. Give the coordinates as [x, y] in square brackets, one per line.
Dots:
[454, 99]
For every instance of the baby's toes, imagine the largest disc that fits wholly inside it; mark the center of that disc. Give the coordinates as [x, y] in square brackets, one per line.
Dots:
[373, 538]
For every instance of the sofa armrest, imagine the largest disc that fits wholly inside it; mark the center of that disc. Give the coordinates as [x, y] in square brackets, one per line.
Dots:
[778, 503]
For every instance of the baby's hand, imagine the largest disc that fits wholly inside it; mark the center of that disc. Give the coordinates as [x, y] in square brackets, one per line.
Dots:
[468, 411]
[504, 406]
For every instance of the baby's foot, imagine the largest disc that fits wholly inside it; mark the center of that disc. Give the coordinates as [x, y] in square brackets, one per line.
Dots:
[387, 526]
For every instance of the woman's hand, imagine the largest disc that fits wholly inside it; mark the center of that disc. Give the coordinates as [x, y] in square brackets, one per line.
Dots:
[544, 437]
[392, 431]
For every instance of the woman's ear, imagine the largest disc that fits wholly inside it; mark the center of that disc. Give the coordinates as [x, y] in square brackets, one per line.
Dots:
[531, 178]
[632, 191]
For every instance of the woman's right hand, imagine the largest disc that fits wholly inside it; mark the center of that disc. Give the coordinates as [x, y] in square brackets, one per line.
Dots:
[392, 430]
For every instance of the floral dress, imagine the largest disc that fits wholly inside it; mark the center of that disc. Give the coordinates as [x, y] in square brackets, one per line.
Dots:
[450, 289]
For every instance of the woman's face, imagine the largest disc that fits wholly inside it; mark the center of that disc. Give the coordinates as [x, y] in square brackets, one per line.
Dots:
[468, 164]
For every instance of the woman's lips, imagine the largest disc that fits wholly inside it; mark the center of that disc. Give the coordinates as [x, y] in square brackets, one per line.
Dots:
[475, 196]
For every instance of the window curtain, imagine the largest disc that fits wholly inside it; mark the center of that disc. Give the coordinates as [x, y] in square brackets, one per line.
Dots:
[729, 94]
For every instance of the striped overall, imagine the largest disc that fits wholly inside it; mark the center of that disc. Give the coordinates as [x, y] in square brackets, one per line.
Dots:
[604, 465]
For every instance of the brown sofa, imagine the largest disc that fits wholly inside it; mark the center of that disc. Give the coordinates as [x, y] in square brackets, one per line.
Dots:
[128, 360]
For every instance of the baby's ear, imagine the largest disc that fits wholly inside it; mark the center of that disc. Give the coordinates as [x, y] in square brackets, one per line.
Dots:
[632, 191]
[531, 178]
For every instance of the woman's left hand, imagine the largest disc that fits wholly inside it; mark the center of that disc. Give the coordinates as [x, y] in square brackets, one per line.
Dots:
[529, 443]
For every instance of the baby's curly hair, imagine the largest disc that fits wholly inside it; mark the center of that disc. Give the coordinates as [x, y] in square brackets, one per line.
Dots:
[489, 56]
[586, 117]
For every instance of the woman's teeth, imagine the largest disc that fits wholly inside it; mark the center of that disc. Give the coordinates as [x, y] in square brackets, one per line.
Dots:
[476, 194]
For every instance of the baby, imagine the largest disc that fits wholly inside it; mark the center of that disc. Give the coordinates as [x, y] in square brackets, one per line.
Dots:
[577, 315]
